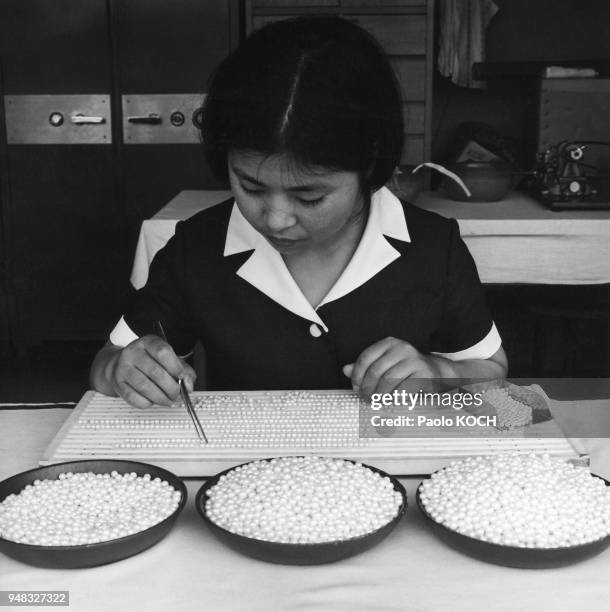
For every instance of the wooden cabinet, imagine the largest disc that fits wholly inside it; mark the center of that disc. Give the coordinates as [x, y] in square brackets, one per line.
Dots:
[165, 48]
[63, 251]
[404, 28]
[72, 194]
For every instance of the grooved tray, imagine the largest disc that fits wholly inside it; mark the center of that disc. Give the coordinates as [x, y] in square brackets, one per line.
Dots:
[243, 426]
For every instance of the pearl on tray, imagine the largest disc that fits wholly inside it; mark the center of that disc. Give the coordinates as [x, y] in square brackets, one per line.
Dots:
[519, 500]
[302, 500]
[85, 508]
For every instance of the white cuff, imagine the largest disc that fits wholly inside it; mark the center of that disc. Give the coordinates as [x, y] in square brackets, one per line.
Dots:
[481, 350]
[122, 334]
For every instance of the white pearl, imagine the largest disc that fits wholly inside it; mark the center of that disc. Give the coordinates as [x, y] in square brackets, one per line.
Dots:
[301, 499]
[84, 508]
[519, 500]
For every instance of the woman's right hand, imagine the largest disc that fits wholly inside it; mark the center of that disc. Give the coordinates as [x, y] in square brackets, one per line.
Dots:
[146, 372]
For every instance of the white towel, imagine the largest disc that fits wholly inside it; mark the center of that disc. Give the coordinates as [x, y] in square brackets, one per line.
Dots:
[462, 38]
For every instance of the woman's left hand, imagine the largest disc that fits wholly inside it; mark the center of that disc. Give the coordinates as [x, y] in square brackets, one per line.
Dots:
[382, 367]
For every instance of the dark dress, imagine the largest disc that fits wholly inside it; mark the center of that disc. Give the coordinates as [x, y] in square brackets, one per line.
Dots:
[429, 295]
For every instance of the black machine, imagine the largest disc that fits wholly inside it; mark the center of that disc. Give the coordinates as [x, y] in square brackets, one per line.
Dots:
[572, 168]
[562, 179]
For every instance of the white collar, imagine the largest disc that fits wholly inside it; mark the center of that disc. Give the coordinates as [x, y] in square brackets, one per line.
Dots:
[265, 269]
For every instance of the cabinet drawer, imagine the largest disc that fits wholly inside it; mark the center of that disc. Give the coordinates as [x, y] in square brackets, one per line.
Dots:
[382, 3]
[414, 117]
[413, 150]
[411, 74]
[348, 4]
[293, 3]
[397, 34]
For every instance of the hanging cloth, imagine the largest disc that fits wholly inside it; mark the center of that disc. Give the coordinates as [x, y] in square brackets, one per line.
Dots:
[462, 38]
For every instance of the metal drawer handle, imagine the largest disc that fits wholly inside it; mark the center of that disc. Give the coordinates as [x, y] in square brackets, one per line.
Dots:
[151, 118]
[80, 119]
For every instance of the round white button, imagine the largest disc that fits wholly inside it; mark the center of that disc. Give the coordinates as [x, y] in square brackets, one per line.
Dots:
[315, 331]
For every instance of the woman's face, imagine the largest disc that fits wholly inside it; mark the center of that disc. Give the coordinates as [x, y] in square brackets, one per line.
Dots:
[296, 209]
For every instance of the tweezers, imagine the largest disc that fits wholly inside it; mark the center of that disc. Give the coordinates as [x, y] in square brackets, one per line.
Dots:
[184, 393]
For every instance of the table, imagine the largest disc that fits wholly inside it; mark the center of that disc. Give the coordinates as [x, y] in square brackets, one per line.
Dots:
[410, 570]
[516, 240]
[155, 232]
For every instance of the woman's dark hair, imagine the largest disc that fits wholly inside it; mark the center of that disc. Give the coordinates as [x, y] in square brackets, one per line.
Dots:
[318, 89]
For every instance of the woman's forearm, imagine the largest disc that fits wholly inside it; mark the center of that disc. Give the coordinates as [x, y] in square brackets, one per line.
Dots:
[494, 367]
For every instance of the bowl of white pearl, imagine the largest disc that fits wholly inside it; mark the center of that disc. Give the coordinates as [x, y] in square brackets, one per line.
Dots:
[87, 513]
[519, 510]
[303, 510]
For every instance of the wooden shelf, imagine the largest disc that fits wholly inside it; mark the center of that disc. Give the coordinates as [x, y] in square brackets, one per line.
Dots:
[404, 28]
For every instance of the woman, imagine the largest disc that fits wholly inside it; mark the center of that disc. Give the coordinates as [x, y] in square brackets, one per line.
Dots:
[315, 276]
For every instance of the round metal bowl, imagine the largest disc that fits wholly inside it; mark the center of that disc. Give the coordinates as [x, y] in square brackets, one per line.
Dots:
[514, 556]
[299, 554]
[99, 553]
[487, 181]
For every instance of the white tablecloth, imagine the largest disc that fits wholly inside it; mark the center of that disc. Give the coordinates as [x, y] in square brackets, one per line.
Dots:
[410, 570]
[155, 232]
[516, 240]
